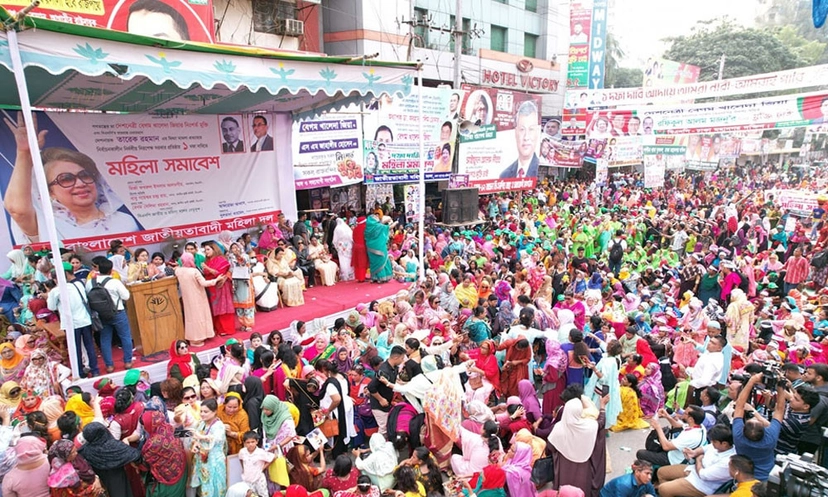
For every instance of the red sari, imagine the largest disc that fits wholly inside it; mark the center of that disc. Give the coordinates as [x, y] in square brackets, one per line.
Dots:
[359, 252]
[221, 297]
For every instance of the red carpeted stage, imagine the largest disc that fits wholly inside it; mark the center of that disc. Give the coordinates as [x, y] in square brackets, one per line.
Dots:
[320, 302]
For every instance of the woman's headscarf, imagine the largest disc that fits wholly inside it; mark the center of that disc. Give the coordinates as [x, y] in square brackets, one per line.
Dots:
[81, 408]
[267, 238]
[479, 412]
[103, 452]
[38, 377]
[188, 260]
[22, 345]
[182, 360]
[642, 348]
[163, 452]
[18, 260]
[342, 366]
[538, 444]
[505, 315]
[574, 436]
[529, 398]
[493, 478]
[300, 473]
[383, 458]
[239, 489]
[52, 407]
[519, 472]
[58, 453]
[253, 397]
[14, 361]
[6, 397]
[271, 424]
[555, 356]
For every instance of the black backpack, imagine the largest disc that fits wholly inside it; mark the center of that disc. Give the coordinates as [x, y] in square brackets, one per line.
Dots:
[616, 252]
[100, 300]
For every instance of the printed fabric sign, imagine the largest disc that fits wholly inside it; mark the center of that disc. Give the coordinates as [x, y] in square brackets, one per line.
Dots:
[624, 151]
[669, 150]
[654, 169]
[141, 178]
[392, 136]
[703, 152]
[502, 153]
[561, 153]
[580, 18]
[327, 151]
[180, 20]
[412, 203]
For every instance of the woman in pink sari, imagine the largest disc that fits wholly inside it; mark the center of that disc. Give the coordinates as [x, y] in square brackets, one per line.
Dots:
[269, 238]
[216, 267]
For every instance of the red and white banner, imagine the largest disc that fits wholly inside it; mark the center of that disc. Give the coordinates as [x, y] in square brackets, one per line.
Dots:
[143, 178]
[182, 20]
[803, 77]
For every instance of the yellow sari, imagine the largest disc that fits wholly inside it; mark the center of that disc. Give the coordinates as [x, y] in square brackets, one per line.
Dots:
[631, 417]
[466, 295]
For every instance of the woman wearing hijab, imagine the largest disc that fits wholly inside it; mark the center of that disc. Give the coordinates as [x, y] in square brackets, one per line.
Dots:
[253, 398]
[487, 370]
[642, 348]
[573, 441]
[478, 413]
[269, 239]
[29, 478]
[108, 457]
[529, 400]
[76, 480]
[652, 390]
[41, 376]
[303, 472]
[343, 241]
[554, 376]
[12, 363]
[739, 319]
[306, 397]
[182, 363]
[198, 322]
[519, 471]
[379, 464]
[277, 423]
[537, 444]
[235, 421]
[491, 482]
[165, 456]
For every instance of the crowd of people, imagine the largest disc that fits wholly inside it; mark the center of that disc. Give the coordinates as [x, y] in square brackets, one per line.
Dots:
[697, 311]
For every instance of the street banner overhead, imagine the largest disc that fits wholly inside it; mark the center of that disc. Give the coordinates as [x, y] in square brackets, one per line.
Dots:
[803, 77]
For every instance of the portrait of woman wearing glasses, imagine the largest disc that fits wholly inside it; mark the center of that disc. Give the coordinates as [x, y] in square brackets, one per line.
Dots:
[83, 203]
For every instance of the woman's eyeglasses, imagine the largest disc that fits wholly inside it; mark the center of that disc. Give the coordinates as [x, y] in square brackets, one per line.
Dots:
[68, 180]
[183, 346]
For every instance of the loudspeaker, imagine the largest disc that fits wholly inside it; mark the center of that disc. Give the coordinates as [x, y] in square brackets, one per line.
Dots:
[460, 206]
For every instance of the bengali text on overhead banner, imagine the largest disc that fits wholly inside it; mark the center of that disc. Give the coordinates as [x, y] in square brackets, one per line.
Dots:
[803, 77]
[141, 178]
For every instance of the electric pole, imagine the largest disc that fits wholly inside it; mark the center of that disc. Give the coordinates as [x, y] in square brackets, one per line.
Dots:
[458, 41]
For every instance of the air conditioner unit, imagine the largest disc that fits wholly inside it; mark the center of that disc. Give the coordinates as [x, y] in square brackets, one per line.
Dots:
[294, 27]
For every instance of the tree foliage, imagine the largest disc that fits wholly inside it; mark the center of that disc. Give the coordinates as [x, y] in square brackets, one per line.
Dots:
[810, 52]
[625, 77]
[747, 51]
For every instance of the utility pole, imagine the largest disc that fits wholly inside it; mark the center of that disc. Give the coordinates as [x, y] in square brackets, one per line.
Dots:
[721, 66]
[458, 41]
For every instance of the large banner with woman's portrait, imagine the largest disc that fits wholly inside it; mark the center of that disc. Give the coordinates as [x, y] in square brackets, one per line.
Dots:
[139, 178]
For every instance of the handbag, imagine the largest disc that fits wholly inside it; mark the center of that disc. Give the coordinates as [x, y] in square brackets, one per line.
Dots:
[543, 471]
[330, 427]
[97, 324]
[277, 471]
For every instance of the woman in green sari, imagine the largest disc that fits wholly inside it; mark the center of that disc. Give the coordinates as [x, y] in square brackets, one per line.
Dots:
[376, 240]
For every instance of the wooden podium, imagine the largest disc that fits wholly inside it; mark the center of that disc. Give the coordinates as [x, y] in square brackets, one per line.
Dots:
[155, 316]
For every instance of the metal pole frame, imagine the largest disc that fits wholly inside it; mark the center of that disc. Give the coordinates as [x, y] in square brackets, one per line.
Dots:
[43, 189]
[421, 186]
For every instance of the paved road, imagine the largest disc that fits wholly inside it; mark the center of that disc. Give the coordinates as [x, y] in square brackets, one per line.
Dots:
[622, 447]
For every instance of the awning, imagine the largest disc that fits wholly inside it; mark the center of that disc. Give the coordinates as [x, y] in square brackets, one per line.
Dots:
[76, 67]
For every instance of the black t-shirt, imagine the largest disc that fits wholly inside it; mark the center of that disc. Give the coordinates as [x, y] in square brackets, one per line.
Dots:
[389, 373]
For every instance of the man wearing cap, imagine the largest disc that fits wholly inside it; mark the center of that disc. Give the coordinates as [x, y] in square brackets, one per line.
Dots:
[79, 318]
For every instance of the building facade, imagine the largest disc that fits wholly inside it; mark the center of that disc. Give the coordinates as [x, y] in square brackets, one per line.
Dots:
[510, 44]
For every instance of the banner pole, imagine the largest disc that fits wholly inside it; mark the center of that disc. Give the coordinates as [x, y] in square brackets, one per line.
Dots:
[421, 186]
[43, 189]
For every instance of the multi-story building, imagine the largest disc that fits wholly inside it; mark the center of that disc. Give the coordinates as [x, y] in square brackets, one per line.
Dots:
[276, 24]
[497, 35]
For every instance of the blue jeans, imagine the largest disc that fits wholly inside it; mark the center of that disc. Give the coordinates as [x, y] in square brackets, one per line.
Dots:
[789, 286]
[83, 336]
[119, 325]
[615, 267]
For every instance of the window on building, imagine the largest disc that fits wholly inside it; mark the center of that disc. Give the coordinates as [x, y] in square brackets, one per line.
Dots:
[269, 15]
[420, 28]
[498, 38]
[466, 48]
[532, 5]
[530, 45]
[502, 1]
